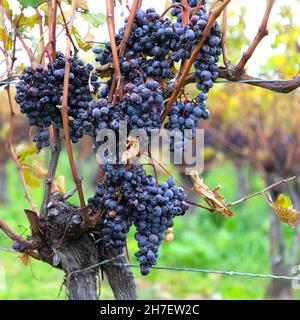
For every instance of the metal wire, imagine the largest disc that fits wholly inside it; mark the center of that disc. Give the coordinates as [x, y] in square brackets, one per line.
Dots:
[95, 266]
[227, 273]
[207, 271]
[217, 81]
[2, 83]
[7, 249]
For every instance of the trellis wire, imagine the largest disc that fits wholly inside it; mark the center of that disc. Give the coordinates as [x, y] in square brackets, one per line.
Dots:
[7, 250]
[217, 81]
[207, 271]
[221, 272]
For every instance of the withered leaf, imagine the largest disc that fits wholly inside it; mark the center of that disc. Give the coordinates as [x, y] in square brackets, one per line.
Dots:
[169, 235]
[133, 146]
[24, 257]
[212, 197]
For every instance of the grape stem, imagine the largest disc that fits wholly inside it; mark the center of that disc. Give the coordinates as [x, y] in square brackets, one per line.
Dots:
[280, 86]
[174, 5]
[186, 12]
[56, 143]
[224, 39]
[199, 206]
[197, 8]
[14, 236]
[55, 153]
[170, 174]
[110, 17]
[52, 11]
[274, 185]
[179, 182]
[67, 29]
[19, 35]
[128, 27]
[65, 117]
[180, 82]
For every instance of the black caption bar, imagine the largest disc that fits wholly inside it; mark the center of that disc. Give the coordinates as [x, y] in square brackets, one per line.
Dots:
[98, 310]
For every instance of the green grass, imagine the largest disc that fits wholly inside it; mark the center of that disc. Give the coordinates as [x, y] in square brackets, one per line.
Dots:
[202, 240]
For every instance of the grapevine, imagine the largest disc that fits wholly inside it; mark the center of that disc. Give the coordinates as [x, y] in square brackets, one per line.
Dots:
[156, 50]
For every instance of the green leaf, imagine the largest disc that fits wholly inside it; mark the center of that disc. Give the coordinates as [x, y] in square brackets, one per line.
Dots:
[25, 150]
[95, 19]
[26, 22]
[30, 3]
[82, 45]
[7, 7]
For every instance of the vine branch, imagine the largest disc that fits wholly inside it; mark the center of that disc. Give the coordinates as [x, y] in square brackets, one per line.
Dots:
[65, 117]
[55, 153]
[224, 39]
[56, 140]
[20, 37]
[128, 28]
[67, 29]
[178, 85]
[110, 17]
[272, 186]
[14, 236]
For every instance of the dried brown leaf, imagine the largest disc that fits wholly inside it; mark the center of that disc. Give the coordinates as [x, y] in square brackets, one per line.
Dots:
[212, 197]
[133, 146]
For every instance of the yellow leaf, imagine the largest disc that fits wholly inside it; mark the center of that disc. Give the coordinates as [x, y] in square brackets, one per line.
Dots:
[24, 150]
[212, 197]
[285, 211]
[59, 185]
[30, 180]
[39, 171]
[209, 153]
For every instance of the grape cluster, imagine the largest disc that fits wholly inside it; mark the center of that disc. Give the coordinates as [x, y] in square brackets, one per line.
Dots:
[40, 93]
[140, 109]
[42, 138]
[115, 197]
[183, 121]
[155, 43]
[143, 105]
[154, 49]
[158, 206]
[127, 196]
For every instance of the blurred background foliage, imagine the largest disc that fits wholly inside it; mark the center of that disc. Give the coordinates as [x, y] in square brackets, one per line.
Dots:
[249, 139]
